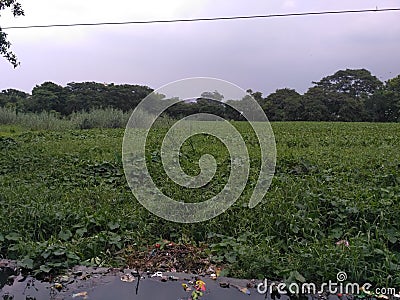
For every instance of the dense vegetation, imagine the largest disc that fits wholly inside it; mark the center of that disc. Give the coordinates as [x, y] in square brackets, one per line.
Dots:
[347, 95]
[65, 201]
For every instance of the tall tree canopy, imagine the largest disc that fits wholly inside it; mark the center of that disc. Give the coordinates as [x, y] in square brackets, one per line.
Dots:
[283, 104]
[384, 105]
[355, 83]
[347, 95]
[5, 45]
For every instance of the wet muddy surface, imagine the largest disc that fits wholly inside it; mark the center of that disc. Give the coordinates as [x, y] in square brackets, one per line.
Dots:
[108, 283]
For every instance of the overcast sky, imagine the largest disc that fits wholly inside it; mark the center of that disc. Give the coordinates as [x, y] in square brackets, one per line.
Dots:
[261, 54]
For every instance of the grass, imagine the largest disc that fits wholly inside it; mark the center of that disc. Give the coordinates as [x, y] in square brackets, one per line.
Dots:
[96, 118]
[64, 200]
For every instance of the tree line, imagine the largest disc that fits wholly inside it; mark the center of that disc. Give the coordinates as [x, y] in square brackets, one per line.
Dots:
[347, 95]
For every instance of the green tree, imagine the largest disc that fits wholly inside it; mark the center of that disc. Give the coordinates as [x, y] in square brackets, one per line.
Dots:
[125, 97]
[355, 83]
[283, 105]
[393, 84]
[312, 106]
[212, 95]
[88, 95]
[14, 99]
[85, 95]
[349, 109]
[205, 105]
[47, 97]
[384, 105]
[182, 109]
[258, 96]
[5, 45]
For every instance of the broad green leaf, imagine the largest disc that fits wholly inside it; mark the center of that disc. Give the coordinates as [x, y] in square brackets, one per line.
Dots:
[65, 234]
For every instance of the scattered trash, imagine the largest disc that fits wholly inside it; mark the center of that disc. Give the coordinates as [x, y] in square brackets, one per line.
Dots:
[58, 286]
[157, 274]
[173, 278]
[210, 269]
[167, 256]
[127, 278]
[186, 287]
[196, 295]
[64, 278]
[251, 284]
[80, 294]
[343, 242]
[170, 244]
[200, 285]
[213, 276]
[244, 290]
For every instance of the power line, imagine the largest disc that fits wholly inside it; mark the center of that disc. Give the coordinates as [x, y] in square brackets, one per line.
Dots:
[209, 19]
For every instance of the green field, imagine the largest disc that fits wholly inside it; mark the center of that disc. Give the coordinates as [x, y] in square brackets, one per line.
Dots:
[64, 201]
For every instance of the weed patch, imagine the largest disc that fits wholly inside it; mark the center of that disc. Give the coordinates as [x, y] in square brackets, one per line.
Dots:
[64, 201]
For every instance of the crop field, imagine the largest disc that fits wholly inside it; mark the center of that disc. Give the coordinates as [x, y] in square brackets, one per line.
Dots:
[333, 205]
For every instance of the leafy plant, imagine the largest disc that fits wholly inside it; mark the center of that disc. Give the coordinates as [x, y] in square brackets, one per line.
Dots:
[65, 201]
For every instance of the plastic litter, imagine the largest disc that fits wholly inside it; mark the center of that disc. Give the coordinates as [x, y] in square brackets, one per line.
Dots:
[343, 242]
[157, 274]
[200, 285]
[80, 294]
[58, 286]
[213, 276]
[127, 278]
[196, 295]
[186, 287]
[244, 290]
